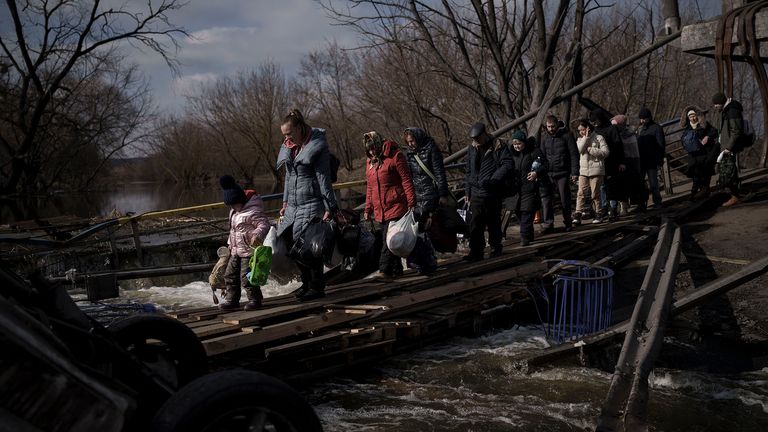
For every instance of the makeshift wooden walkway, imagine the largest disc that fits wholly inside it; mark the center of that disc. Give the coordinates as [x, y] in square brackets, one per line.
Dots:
[371, 318]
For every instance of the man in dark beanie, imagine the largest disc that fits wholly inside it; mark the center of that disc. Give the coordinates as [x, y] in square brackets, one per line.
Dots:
[730, 125]
[233, 193]
[651, 145]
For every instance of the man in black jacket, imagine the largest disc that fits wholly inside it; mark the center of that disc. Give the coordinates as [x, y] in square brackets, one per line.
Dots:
[559, 148]
[652, 147]
[730, 124]
[488, 164]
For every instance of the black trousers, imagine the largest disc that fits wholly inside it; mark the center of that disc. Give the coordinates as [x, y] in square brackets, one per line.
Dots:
[486, 213]
[389, 263]
[562, 184]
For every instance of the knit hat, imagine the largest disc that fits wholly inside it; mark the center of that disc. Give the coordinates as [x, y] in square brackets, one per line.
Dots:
[619, 119]
[476, 130]
[719, 99]
[688, 114]
[233, 194]
[645, 113]
[518, 135]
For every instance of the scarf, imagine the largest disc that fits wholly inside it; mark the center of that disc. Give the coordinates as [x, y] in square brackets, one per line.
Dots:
[296, 148]
[374, 147]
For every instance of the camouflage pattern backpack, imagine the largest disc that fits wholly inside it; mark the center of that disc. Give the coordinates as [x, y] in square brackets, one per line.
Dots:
[728, 170]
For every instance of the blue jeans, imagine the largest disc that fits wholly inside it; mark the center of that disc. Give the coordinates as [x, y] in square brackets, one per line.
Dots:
[653, 183]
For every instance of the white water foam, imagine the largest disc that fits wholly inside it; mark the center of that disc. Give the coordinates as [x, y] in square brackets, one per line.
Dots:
[749, 388]
[194, 294]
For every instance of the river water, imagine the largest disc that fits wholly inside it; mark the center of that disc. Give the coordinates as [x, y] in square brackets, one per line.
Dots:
[470, 384]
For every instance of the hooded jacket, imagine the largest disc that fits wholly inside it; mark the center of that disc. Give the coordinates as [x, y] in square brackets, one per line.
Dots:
[522, 162]
[731, 126]
[486, 170]
[389, 189]
[651, 145]
[427, 192]
[610, 134]
[307, 188]
[701, 163]
[247, 227]
[561, 153]
[593, 150]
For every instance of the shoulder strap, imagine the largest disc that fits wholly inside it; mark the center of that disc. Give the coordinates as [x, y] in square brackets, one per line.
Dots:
[424, 167]
[432, 176]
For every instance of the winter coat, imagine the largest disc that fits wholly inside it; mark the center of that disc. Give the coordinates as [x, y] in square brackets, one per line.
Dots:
[247, 227]
[630, 143]
[593, 150]
[522, 162]
[389, 189]
[652, 145]
[561, 153]
[427, 192]
[701, 163]
[615, 148]
[731, 126]
[307, 188]
[486, 172]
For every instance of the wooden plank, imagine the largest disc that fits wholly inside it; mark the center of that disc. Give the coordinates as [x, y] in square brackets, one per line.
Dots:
[355, 309]
[375, 345]
[718, 259]
[253, 336]
[215, 329]
[462, 285]
[292, 347]
[250, 337]
[196, 324]
[721, 285]
[183, 313]
[250, 317]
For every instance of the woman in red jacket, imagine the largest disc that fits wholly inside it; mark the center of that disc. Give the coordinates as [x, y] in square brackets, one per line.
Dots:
[389, 192]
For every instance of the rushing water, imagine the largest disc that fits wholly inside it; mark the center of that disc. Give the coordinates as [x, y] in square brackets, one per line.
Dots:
[471, 384]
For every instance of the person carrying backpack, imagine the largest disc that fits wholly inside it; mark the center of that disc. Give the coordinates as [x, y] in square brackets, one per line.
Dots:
[699, 139]
[730, 125]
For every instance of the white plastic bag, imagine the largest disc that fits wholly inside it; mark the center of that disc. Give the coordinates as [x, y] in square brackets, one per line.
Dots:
[402, 235]
[284, 269]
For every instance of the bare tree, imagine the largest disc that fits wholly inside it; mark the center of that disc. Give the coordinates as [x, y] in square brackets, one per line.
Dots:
[243, 116]
[181, 151]
[47, 42]
[328, 77]
[486, 48]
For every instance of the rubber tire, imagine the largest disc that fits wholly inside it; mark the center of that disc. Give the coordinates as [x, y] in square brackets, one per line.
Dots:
[185, 348]
[198, 406]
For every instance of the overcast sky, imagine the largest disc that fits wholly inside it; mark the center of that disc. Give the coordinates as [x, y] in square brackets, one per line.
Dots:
[233, 35]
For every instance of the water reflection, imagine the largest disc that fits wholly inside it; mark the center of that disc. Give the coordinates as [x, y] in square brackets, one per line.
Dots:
[127, 198]
[124, 199]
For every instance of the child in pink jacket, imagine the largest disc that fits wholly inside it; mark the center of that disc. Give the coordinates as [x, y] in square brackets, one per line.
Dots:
[248, 226]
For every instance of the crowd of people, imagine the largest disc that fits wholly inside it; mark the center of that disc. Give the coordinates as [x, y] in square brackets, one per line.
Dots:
[615, 170]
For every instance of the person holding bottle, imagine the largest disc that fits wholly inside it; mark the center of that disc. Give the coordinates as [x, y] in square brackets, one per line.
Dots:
[531, 165]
